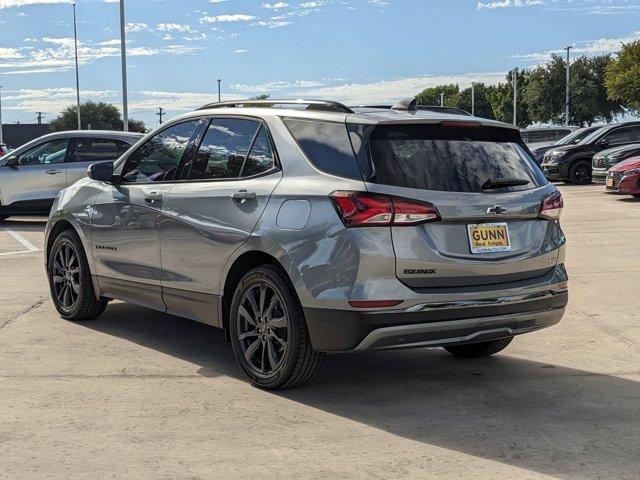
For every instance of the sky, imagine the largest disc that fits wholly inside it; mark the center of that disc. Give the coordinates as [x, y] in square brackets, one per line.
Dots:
[355, 51]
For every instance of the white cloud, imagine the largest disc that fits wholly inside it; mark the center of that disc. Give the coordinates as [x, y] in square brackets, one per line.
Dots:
[136, 27]
[10, 53]
[275, 6]
[23, 3]
[272, 23]
[312, 4]
[236, 17]
[507, 4]
[240, 51]
[588, 7]
[173, 27]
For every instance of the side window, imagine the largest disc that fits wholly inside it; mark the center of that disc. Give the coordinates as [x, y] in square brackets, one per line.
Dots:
[158, 158]
[326, 145]
[224, 148]
[260, 158]
[54, 151]
[620, 135]
[95, 150]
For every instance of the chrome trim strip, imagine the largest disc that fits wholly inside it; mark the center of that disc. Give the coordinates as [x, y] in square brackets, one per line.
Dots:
[425, 307]
[484, 325]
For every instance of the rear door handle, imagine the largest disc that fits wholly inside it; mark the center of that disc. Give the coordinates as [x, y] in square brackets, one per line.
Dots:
[243, 195]
[53, 172]
[153, 197]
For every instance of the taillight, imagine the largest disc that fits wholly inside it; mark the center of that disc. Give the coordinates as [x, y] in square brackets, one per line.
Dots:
[551, 207]
[361, 209]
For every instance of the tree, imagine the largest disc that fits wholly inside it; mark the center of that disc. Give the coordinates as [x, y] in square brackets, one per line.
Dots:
[431, 95]
[622, 76]
[545, 92]
[482, 105]
[589, 100]
[101, 116]
[261, 97]
[501, 99]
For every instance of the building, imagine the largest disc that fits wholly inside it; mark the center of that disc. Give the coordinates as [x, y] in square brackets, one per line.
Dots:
[17, 134]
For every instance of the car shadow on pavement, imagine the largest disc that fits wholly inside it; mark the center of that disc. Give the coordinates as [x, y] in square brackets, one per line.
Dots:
[24, 224]
[549, 419]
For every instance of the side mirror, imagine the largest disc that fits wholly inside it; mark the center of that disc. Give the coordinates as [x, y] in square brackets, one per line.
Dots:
[11, 162]
[102, 172]
[604, 142]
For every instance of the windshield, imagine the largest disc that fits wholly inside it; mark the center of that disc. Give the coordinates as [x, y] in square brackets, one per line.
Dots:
[574, 137]
[591, 138]
[450, 159]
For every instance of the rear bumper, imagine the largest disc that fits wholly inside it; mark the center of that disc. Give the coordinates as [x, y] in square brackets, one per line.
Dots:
[431, 325]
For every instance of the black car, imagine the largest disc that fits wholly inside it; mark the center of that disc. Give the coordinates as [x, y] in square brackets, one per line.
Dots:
[572, 163]
[573, 138]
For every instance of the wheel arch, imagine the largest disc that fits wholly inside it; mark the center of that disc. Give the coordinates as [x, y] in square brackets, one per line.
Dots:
[57, 224]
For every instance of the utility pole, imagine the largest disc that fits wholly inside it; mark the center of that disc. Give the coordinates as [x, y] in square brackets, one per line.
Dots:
[566, 97]
[123, 57]
[515, 95]
[75, 37]
[473, 99]
[0, 113]
[160, 113]
[40, 114]
[442, 99]
[219, 91]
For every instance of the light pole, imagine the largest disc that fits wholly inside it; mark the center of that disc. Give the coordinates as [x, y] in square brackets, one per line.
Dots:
[123, 58]
[473, 99]
[219, 91]
[566, 96]
[515, 95]
[75, 38]
[442, 99]
[0, 113]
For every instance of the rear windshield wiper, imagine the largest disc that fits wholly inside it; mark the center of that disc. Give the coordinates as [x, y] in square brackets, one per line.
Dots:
[504, 182]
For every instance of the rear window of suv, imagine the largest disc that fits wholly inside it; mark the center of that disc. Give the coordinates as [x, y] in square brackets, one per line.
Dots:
[433, 157]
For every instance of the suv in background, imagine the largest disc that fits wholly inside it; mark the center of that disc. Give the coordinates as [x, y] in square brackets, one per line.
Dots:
[573, 163]
[305, 227]
[536, 137]
[573, 138]
[606, 159]
[32, 176]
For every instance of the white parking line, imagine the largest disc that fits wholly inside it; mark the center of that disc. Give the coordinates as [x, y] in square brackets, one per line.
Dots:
[30, 247]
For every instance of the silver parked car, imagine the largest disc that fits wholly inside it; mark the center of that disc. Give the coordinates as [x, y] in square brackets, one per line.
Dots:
[308, 227]
[32, 176]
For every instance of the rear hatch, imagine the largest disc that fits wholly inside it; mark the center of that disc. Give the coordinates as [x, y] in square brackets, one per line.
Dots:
[487, 191]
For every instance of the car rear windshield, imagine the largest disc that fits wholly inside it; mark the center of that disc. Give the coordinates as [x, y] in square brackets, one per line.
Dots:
[441, 158]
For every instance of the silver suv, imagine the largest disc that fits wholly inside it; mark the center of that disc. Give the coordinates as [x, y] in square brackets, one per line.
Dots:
[302, 228]
[32, 176]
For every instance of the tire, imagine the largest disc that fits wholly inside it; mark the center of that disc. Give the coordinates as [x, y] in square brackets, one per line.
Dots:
[70, 281]
[479, 350]
[580, 173]
[269, 333]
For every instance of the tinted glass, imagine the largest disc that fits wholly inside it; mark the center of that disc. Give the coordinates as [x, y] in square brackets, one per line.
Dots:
[326, 145]
[575, 137]
[260, 158]
[54, 151]
[623, 135]
[224, 148]
[157, 159]
[447, 159]
[98, 149]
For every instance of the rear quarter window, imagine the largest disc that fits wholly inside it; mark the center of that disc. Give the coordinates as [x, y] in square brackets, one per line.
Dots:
[326, 145]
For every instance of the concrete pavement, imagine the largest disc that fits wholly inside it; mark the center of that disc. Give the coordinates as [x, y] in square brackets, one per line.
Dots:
[138, 394]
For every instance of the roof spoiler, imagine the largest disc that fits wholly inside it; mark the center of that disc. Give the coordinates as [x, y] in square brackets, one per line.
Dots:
[406, 105]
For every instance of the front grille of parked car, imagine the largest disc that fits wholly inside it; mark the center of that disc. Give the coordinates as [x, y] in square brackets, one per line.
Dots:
[616, 178]
[599, 162]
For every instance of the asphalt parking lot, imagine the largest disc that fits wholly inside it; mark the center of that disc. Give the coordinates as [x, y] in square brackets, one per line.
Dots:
[139, 394]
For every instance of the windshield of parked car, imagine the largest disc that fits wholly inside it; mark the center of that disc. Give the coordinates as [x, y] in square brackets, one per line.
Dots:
[593, 137]
[574, 137]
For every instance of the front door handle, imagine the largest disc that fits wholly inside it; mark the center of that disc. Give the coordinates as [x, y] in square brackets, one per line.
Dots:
[243, 195]
[153, 197]
[53, 172]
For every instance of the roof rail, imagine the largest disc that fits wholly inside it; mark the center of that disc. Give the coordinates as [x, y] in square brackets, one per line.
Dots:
[321, 105]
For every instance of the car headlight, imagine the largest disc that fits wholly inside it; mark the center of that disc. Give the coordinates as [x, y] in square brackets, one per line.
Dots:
[552, 157]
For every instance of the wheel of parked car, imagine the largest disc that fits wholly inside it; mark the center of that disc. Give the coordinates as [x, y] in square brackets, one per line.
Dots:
[70, 279]
[269, 332]
[479, 350]
[580, 172]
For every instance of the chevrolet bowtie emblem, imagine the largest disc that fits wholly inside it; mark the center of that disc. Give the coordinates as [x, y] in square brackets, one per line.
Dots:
[497, 210]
